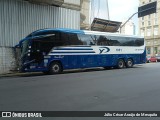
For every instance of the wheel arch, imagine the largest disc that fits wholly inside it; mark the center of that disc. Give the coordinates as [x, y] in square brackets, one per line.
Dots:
[121, 58]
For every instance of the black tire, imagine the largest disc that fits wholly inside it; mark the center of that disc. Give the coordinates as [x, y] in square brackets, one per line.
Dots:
[55, 68]
[129, 63]
[120, 64]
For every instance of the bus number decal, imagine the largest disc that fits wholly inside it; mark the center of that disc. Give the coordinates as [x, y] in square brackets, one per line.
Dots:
[119, 50]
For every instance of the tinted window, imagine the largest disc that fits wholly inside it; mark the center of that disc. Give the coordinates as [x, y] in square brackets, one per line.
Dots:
[122, 41]
[107, 41]
[119, 41]
[45, 44]
[65, 38]
[77, 39]
[126, 41]
[70, 39]
[102, 40]
[74, 40]
[139, 41]
[87, 39]
[83, 39]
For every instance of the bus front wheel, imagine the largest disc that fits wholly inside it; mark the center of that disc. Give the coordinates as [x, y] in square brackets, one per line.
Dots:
[129, 63]
[120, 64]
[55, 68]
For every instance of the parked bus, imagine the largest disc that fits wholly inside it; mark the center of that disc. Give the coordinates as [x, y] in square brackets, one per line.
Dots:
[54, 50]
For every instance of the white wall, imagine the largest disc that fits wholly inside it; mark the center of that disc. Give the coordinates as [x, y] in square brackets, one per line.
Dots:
[7, 60]
[129, 28]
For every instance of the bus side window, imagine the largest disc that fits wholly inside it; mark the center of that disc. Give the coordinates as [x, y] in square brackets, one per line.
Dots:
[126, 41]
[65, 39]
[102, 40]
[122, 41]
[113, 41]
[46, 43]
[74, 40]
[54, 39]
[86, 39]
[139, 42]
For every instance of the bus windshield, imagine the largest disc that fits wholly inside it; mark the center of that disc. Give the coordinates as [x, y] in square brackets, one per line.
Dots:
[24, 47]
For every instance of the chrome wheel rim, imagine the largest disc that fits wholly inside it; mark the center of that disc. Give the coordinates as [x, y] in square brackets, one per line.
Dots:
[121, 64]
[129, 63]
[55, 68]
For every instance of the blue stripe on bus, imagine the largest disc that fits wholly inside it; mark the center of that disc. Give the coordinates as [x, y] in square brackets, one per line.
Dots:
[72, 49]
[73, 52]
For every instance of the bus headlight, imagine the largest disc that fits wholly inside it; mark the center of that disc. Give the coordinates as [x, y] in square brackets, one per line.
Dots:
[45, 62]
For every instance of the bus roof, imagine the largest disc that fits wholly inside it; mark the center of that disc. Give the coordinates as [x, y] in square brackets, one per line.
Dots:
[66, 30]
[109, 34]
[60, 30]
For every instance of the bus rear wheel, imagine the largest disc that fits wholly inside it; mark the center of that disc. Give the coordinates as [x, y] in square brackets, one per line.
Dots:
[120, 64]
[129, 63]
[55, 68]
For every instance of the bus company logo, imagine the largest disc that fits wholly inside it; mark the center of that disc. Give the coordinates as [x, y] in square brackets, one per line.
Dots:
[103, 50]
